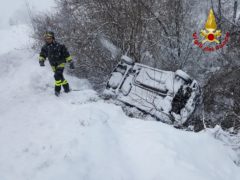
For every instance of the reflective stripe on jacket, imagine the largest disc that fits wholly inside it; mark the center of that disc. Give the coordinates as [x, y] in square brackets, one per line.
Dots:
[56, 53]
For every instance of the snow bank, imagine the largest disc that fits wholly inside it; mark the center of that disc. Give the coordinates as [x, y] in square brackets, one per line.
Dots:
[78, 136]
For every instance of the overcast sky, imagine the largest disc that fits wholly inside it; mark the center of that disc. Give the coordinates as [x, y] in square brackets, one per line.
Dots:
[17, 9]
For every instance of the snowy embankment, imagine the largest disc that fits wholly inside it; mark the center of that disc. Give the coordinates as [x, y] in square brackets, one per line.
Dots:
[79, 136]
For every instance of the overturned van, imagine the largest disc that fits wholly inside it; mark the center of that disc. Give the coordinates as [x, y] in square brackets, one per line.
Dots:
[168, 96]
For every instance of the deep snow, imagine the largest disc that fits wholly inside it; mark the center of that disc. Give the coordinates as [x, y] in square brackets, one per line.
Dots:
[78, 136]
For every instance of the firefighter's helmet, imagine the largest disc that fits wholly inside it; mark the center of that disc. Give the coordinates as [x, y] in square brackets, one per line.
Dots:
[49, 34]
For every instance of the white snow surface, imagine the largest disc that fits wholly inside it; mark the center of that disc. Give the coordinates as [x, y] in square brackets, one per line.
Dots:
[78, 136]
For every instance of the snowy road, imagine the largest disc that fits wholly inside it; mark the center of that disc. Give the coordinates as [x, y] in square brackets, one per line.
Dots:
[78, 136]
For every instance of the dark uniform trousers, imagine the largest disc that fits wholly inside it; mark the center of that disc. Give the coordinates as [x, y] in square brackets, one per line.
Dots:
[59, 79]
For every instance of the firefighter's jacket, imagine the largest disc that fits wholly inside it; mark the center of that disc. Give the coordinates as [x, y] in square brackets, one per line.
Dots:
[56, 53]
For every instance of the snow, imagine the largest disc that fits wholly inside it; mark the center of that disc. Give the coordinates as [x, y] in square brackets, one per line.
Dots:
[13, 38]
[182, 74]
[115, 79]
[153, 79]
[127, 59]
[126, 87]
[79, 136]
[110, 47]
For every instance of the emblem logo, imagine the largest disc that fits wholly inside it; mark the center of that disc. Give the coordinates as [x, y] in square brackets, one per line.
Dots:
[210, 35]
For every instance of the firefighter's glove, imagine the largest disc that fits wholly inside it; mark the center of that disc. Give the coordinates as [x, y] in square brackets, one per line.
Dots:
[71, 66]
[41, 63]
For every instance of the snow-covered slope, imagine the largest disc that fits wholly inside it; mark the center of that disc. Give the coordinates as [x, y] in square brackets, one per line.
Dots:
[78, 136]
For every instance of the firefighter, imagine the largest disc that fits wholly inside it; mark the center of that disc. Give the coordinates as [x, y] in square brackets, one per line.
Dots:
[58, 56]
